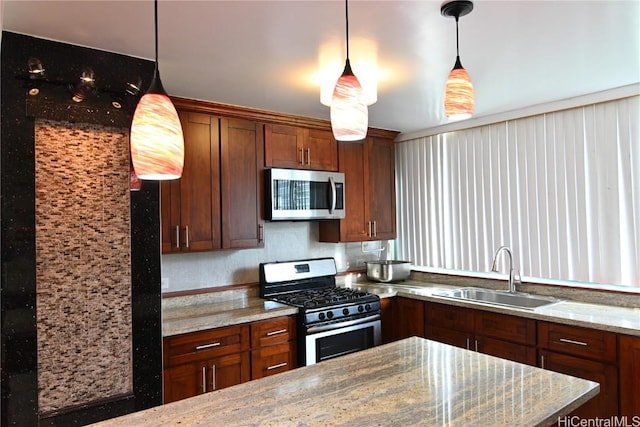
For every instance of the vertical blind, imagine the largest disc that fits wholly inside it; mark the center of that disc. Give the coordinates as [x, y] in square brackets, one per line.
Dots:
[561, 189]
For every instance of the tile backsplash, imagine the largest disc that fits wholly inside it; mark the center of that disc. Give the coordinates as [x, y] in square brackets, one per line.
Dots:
[284, 241]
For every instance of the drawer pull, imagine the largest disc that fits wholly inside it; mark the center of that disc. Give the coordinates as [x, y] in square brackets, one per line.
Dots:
[205, 346]
[204, 379]
[568, 341]
[279, 365]
[279, 331]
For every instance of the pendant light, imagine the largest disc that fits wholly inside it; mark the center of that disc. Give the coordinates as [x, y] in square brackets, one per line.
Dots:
[349, 113]
[157, 143]
[459, 95]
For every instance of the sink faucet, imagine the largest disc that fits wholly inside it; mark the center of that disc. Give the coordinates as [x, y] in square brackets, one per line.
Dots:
[494, 267]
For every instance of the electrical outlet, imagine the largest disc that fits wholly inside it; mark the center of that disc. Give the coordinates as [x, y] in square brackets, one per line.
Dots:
[164, 283]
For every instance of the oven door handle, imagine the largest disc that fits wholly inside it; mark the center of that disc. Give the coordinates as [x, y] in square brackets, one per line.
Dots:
[338, 324]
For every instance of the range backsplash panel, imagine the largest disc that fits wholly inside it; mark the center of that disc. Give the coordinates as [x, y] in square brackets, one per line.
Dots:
[83, 264]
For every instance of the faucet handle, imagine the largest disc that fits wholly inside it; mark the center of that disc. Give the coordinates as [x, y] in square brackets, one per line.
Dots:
[516, 277]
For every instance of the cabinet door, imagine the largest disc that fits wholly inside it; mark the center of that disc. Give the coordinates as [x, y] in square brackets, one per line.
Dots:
[320, 150]
[386, 314]
[629, 351]
[225, 371]
[283, 146]
[460, 339]
[198, 198]
[380, 168]
[181, 382]
[241, 151]
[409, 317]
[605, 404]
[171, 230]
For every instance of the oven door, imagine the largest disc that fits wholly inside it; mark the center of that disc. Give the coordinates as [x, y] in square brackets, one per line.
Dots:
[329, 341]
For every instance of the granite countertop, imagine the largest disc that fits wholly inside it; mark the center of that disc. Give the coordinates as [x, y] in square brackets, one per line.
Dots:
[191, 314]
[409, 382]
[596, 316]
[200, 312]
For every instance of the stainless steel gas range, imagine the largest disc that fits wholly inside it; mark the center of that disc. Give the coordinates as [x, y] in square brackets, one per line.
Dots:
[332, 321]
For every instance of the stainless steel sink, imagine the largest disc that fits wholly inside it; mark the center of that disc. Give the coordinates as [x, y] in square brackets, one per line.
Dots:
[511, 299]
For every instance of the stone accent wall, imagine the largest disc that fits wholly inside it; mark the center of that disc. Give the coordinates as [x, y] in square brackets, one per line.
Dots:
[83, 264]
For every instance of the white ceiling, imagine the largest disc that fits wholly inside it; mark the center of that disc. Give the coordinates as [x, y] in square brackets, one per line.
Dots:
[266, 54]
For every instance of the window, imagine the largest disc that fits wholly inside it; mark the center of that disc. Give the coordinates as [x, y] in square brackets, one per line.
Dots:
[562, 190]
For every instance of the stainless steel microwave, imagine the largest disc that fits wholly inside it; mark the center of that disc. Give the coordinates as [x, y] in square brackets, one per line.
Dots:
[295, 194]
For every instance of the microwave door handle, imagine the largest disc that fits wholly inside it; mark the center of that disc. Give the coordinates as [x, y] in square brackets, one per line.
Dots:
[333, 195]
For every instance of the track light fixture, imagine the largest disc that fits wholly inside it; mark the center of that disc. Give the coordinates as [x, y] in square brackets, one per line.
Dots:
[349, 112]
[459, 93]
[36, 69]
[85, 87]
[157, 143]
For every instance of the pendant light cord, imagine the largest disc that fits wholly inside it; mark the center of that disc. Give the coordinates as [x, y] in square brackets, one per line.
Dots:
[457, 43]
[346, 12]
[156, 30]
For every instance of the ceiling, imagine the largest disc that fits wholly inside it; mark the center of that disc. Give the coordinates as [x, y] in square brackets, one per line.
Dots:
[268, 54]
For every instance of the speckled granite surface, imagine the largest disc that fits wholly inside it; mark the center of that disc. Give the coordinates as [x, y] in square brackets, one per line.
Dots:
[409, 382]
[214, 310]
[596, 316]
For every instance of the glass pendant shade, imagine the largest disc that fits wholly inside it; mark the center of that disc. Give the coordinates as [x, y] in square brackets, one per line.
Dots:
[157, 143]
[459, 94]
[349, 112]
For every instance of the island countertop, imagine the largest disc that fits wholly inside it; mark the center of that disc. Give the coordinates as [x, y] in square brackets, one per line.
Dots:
[409, 382]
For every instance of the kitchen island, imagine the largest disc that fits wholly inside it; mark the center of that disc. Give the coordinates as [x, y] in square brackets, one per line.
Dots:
[409, 382]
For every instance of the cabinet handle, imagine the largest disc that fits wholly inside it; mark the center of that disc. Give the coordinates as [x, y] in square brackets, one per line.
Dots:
[177, 236]
[260, 232]
[476, 345]
[468, 344]
[205, 346]
[308, 156]
[542, 361]
[302, 156]
[186, 236]
[279, 365]
[369, 233]
[204, 379]
[568, 341]
[375, 229]
[279, 331]
[213, 377]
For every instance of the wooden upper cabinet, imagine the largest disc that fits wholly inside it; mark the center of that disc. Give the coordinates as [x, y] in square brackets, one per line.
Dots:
[216, 204]
[370, 194]
[190, 205]
[381, 171]
[299, 148]
[242, 161]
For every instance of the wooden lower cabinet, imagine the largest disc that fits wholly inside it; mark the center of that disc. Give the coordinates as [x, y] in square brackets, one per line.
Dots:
[387, 319]
[408, 316]
[204, 361]
[629, 357]
[584, 353]
[500, 335]
[196, 378]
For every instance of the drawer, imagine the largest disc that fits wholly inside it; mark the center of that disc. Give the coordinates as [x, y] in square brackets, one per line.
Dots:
[449, 317]
[273, 331]
[202, 345]
[505, 327]
[272, 360]
[577, 341]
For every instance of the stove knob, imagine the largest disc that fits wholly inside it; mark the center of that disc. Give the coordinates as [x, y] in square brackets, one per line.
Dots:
[367, 307]
[360, 308]
[321, 316]
[345, 311]
[330, 314]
